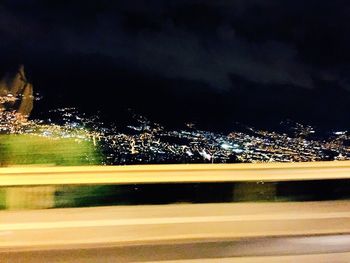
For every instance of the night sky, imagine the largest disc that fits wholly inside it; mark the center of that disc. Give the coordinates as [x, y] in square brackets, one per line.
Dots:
[212, 62]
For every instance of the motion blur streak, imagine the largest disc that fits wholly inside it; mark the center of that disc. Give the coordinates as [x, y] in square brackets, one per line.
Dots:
[320, 258]
[217, 232]
[178, 232]
[22, 176]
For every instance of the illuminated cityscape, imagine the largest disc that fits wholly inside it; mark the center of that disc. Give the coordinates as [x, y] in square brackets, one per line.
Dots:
[213, 88]
[151, 143]
[144, 141]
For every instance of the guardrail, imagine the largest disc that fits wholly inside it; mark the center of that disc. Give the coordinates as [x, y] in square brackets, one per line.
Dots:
[46, 187]
[245, 230]
[174, 173]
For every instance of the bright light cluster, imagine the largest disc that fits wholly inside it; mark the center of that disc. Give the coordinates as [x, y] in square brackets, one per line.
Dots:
[145, 142]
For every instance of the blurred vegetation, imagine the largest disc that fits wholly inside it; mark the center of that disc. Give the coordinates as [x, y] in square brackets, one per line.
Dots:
[26, 149]
[31, 149]
[2, 198]
[93, 195]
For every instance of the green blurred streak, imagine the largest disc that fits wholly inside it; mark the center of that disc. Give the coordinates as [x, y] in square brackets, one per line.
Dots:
[2, 198]
[29, 149]
[92, 195]
[26, 149]
[254, 191]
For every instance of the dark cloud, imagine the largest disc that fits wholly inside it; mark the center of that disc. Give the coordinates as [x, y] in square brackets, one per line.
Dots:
[298, 44]
[191, 41]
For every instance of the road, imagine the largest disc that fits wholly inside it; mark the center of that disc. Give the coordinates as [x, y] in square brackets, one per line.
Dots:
[236, 232]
